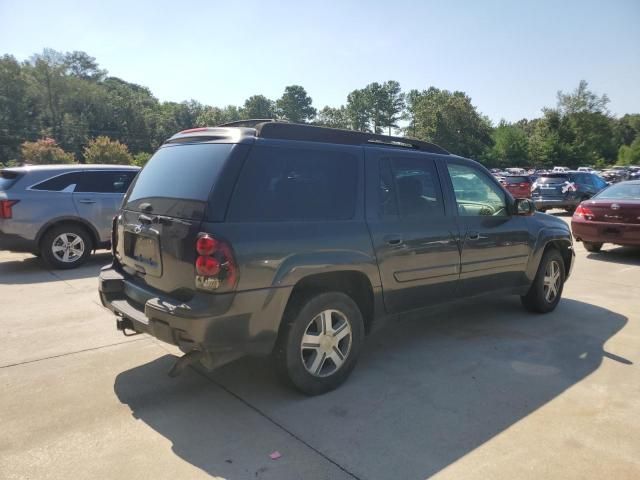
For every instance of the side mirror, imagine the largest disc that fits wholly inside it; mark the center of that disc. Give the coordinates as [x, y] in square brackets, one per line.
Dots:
[525, 207]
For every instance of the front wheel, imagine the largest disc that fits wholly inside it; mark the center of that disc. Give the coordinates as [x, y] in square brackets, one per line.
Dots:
[320, 342]
[546, 289]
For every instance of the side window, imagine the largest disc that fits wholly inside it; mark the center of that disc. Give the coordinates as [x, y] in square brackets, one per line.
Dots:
[295, 184]
[61, 183]
[475, 193]
[409, 187]
[599, 182]
[105, 182]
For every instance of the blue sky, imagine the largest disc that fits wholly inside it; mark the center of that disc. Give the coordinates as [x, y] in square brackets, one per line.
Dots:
[511, 57]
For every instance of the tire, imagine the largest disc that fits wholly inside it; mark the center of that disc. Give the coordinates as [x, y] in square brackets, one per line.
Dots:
[70, 242]
[594, 247]
[570, 210]
[295, 362]
[537, 299]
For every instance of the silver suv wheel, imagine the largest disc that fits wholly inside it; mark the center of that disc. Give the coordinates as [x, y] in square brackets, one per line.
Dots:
[326, 343]
[68, 247]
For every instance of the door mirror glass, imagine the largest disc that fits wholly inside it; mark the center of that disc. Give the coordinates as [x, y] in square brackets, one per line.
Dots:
[524, 206]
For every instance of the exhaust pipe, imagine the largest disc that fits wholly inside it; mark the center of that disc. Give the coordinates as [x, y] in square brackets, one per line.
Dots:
[183, 362]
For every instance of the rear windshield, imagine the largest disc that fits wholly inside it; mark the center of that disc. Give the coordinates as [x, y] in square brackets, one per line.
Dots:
[559, 178]
[620, 191]
[514, 179]
[178, 179]
[7, 179]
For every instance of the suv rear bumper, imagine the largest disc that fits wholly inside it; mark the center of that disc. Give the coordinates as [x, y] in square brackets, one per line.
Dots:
[227, 326]
[555, 203]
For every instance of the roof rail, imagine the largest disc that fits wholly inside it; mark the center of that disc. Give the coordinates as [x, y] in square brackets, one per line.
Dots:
[312, 133]
[250, 122]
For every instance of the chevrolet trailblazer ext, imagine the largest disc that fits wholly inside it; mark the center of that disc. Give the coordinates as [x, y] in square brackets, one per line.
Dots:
[297, 241]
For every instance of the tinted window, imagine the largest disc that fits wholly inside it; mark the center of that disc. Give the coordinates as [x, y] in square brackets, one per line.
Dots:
[476, 194]
[409, 187]
[59, 183]
[184, 171]
[105, 182]
[295, 184]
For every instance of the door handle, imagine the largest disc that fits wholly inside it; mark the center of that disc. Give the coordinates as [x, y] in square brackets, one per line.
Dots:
[474, 236]
[393, 240]
[87, 201]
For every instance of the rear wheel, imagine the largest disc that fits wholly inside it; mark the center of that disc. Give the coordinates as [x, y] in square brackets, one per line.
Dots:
[66, 246]
[592, 246]
[320, 342]
[546, 289]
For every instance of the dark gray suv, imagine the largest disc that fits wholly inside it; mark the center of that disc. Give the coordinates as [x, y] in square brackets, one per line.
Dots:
[297, 241]
[61, 212]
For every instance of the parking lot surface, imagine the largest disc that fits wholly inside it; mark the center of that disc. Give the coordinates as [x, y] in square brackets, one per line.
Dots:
[480, 389]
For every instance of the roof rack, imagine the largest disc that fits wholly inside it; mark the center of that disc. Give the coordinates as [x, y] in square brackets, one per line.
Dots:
[312, 133]
[250, 122]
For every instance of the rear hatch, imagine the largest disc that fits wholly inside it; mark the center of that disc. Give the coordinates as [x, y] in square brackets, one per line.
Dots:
[519, 186]
[552, 186]
[182, 186]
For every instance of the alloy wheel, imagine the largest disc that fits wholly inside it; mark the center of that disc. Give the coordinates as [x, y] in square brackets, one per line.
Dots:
[326, 343]
[552, 281]
[68, 247]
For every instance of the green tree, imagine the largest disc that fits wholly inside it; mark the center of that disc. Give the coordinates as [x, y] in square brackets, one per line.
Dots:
[358, 110]
[510, 146]
[582, 100]
[140, 159]
[103, 150]
[394, 104]
[295, 105]
[450, 120]
[258, 106]
[630, 154]
[333, 117]
[14, 105]
[213, 116]
[44, 152]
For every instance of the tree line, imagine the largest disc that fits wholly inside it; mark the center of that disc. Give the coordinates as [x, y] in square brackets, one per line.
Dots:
[62, 107]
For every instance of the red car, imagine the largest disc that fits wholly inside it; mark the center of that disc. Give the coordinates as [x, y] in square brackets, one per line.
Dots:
[518, 185]
[611, 216]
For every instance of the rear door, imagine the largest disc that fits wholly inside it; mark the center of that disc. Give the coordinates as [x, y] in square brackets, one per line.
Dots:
[495, 244]
[98, 196]
[164, 209]
[414, 236]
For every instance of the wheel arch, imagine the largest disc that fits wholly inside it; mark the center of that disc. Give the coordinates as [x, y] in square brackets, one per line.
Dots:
[56, 222]
[353, 283]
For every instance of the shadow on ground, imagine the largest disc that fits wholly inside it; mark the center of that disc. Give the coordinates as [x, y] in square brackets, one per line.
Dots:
[622, 255]
[426, 392]
[33, 270]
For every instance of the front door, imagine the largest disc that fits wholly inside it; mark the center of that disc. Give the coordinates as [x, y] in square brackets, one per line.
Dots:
[414, 236]
[495, 243]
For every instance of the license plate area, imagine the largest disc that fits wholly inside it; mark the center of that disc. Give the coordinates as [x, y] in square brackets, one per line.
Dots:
[143, 253]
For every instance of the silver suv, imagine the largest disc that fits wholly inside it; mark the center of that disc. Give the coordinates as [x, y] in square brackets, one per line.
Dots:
[61, 212]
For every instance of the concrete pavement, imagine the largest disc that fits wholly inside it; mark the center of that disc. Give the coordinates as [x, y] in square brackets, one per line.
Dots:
[480, 389]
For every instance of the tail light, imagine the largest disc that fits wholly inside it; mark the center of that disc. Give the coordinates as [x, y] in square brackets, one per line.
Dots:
[216, 268]
[524, 185]
[584, 212]
[6, 208]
